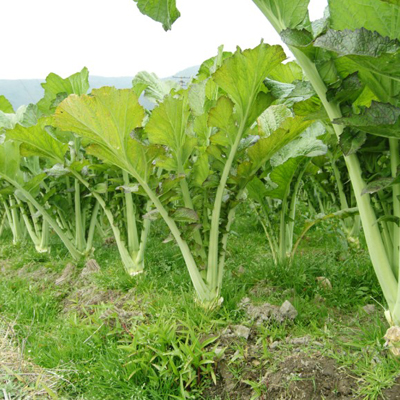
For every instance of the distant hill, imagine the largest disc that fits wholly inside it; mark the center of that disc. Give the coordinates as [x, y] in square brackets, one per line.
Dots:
[25, 91]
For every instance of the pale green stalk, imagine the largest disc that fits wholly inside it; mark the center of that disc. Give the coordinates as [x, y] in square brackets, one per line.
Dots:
[16, 223]
[131, 267]
[68, 244]
[376, 248]
[131, 228]
[3, 223]
[212, 272]
[79, 229]
[144, 237]
[292, 209]
[395, 161]
[32, 234]
[92, 226]
[282, 228]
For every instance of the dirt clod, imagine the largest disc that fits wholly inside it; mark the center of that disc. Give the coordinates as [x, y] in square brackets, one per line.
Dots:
[370, 309]
[267, 311]
[91, 267]
[309, 378]
[67, 275]
[241, 331]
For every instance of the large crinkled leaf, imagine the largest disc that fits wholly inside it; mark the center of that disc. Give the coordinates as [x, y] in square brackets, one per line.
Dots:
[287, 73]
[351, 141]
[257, 190]
[290, 93]
[265, 148]
[168, 122]
[10, 160]
[25, 115]
[5, 105]
[57, 88]
[301, 38]
[242, 75]
[360, 42]
[366, 50]
[106, 119]
[221, 117]
[349, 90]
[38, 142]
[208, 67]
[377, 185]
[155, 89]
[185, 215]
[282, 177]
[311, 109]
[284, 13]
[9, 120]
[197, 97]
[163, 11]
[306, 145]
[380, 119]
[272, 119]
[385, 87]
[374, 15]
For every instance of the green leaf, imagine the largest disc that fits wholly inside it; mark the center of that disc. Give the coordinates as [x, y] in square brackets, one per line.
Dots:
[287, 73]
[291, 93]
[197, 97]
[282, 176]
[351, 141]
[284, 13]
[310, 109]
[5, 105]
[364, 51]
[185, 215]
[301, 38]
[221, 117]
[306, 145]
[57, 170]
[10, 160]
[33, 185]
[75, 84]
[374, 15]
[265, 148]
[348, 91]
[155, 89]
[106, 119]
[377, 185]
[272, 119]
[380, 119]
[360, 42]
[241, 76]
[38, 141]
[201, 170]
[257, 190]
[163, 11]
[168, 122]
[8, 121]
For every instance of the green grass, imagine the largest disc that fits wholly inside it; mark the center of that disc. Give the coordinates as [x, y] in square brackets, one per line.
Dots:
[151, 340]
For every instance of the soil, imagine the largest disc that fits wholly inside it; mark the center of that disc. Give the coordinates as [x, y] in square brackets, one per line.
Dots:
[301, 374]
[393, 393]
[309, 377]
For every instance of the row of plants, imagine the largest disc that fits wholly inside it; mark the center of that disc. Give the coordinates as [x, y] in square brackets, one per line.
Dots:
[248, 126]
[350, 62]
[78, 164]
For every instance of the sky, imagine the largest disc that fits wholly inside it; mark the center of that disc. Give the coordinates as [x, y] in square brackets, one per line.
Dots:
[112, 38]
